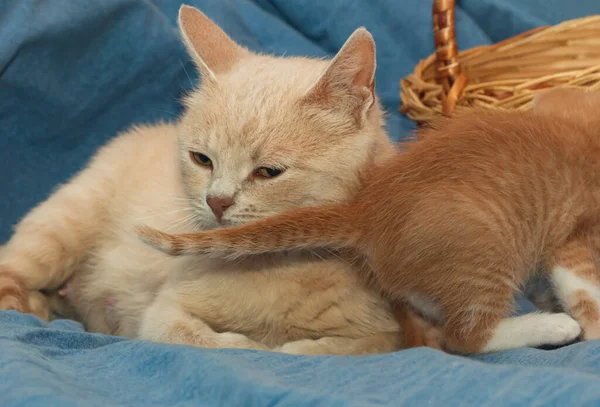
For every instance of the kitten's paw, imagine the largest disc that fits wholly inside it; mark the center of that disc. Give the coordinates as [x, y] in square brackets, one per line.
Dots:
[158, 240]
[562, 329]
[179, 245]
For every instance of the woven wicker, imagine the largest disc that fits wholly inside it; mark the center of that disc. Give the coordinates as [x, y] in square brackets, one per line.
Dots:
[504, 75]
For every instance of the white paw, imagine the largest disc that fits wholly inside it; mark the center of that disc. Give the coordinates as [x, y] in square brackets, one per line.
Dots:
[237, 341]
[562, 329]
[299, 347]
[231, 337]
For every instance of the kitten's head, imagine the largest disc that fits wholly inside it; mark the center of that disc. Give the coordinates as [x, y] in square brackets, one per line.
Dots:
[264, 134]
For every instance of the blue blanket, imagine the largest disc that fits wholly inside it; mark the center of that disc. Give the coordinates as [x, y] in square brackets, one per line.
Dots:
[75, 72]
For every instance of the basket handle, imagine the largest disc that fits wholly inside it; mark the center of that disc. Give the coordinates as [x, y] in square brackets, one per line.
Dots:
[450, 74]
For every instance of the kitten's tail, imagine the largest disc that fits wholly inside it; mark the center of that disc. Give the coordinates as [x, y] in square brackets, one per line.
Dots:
[328, 227]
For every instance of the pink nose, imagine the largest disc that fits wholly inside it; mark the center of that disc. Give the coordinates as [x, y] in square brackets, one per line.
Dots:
[219, 204]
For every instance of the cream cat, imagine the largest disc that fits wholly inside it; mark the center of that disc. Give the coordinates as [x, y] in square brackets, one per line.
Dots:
[261, 135]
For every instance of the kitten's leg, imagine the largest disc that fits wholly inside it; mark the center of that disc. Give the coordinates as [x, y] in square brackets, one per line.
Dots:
[576, 283]
[532, 330]
[540, 292]
[527, 330]
[477, 324]
[416, 331]
[165, 321]
[379, 343]
[53, 238]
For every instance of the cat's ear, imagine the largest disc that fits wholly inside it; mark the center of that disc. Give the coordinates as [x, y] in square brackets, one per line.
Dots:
[211, 49]
[349, 81]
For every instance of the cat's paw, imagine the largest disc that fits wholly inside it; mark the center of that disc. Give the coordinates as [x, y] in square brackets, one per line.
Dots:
[562, 329]
[237, 341]
[14, 296]
[299, 347]
[13, 293]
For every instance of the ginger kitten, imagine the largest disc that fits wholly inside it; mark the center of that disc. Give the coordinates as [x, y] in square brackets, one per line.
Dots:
[460, 221]
[260, 135]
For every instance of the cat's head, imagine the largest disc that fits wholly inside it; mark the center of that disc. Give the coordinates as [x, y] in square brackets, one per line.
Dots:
[263, 134]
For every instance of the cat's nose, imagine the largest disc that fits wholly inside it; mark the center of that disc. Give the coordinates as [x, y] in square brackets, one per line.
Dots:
[219, 204]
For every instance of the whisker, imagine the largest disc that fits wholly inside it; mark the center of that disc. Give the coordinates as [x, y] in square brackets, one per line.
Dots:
[314, 252]
[180, 198]
[165, 111]
[181, 222]
[163, 213]
[255, 216]
[341, 258]
[187, 198]
[186, 73]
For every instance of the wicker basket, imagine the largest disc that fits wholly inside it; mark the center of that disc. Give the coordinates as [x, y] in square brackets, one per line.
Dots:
[504, 75]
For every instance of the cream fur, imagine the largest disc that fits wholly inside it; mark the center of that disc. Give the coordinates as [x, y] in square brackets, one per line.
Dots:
[251, 111]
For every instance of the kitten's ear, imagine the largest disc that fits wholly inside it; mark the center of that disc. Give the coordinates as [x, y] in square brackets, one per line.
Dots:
[569, 103]
[211, 49]
[349, 81]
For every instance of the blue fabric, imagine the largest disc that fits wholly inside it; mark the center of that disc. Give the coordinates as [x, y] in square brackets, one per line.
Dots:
[60, 365]
[74, 72]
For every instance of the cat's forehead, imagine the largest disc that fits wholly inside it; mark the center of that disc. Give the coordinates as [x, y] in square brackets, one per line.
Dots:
[256, 107]
[264, 84]
[263, 71]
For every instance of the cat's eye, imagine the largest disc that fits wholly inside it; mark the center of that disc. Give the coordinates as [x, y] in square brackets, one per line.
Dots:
[266, 172]
[200, 159]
